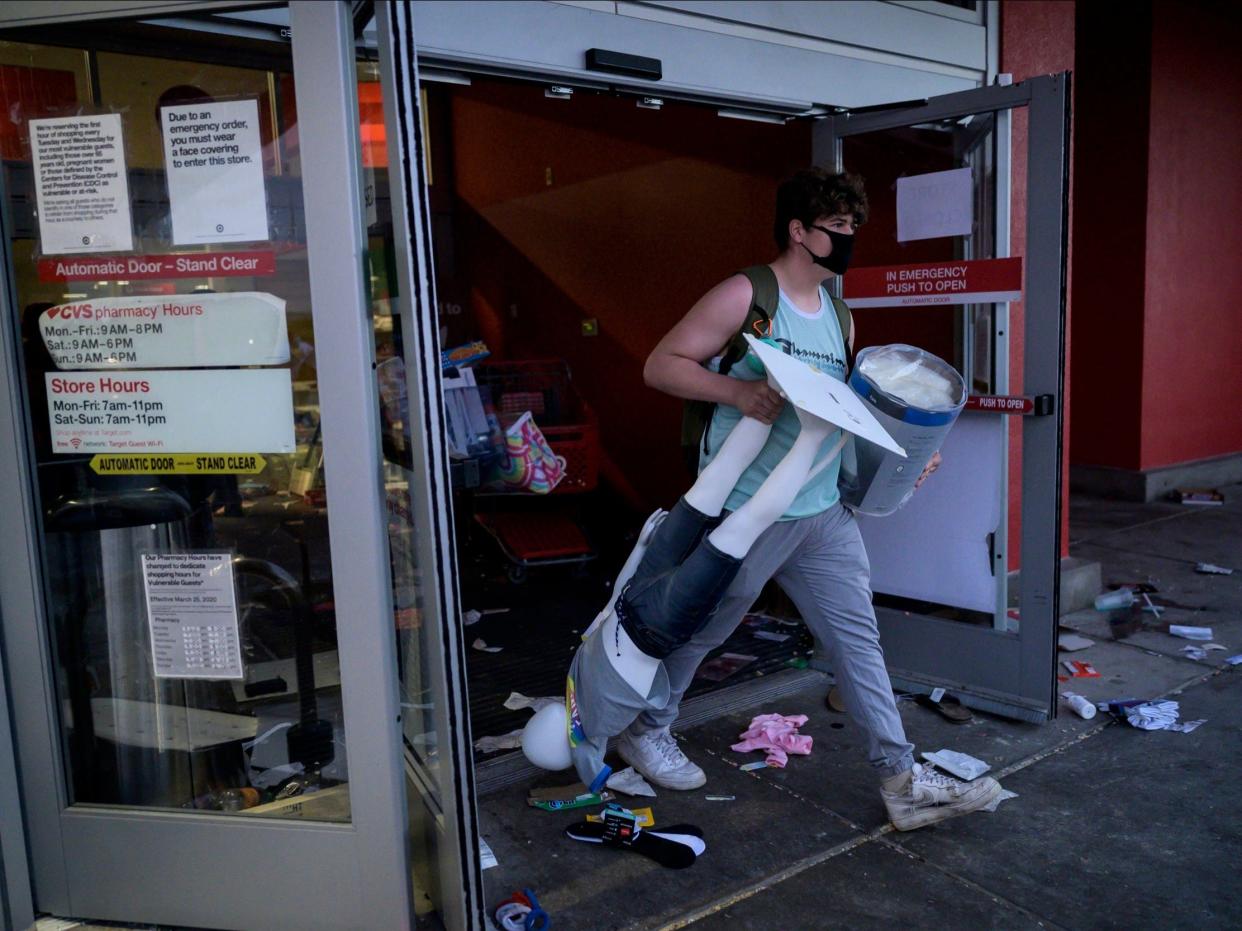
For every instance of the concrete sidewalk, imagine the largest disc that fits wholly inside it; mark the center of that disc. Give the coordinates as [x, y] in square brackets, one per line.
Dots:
[1112, 826]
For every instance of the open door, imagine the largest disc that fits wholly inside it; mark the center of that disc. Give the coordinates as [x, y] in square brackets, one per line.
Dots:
[934, 268]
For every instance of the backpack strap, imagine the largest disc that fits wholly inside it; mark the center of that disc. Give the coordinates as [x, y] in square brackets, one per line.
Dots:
[846, 321]
[765, 294]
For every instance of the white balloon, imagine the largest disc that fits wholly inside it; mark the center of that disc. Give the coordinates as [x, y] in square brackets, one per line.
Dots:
[545, 741]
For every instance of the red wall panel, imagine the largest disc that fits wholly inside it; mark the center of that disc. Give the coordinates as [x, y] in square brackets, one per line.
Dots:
[1192, 381]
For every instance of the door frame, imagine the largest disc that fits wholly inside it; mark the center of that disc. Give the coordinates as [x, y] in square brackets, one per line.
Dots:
[1009, 672]
[341, 871]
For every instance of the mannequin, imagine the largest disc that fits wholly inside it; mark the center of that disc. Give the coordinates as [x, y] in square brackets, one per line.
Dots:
[670, 585]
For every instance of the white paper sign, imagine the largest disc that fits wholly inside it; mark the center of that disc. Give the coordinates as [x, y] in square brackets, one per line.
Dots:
[821, 395]
[192, 609]
[81, 184]
[175, 411]
[234, 328]
[214, 161]
[937, 204]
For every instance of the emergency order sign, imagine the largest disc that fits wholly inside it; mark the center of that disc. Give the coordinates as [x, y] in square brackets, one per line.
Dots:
[976, 281]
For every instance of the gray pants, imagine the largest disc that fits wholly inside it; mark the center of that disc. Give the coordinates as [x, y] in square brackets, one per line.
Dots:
[821, 564]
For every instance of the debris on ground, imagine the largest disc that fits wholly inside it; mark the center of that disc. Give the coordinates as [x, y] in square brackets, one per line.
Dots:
[961, 765]
[562, 798]
[1071, 642]
[947, 706]
[1190, 633]
[723, 666]
[481, 645]
[1081, 706]
[629, 782]
[1080, 670]
[517, 701]
[522, 912]
[777, 735]
[1209, 497]
[1159, 716]
[487, 856]
[1207, 568]
[509, 741]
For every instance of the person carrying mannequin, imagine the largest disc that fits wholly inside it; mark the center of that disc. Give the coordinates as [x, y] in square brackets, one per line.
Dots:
[814, 550]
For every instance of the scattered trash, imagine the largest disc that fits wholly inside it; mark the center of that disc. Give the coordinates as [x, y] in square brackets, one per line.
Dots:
[1195, 653]
[508, 741]
[751, 767]
[562, 798]
[481, 644]
[643, 817]
[1190, 633]
[471, 617]
[487, 857]
[1071, 642]
[1206, 568]
[723, 666]
[1159, 716]
[777, 735]
[835, 700]
[770, 635]
[629, 782]
[1208, 497]
[1080, 670]
[957, 764]
[1149, 606]
[1002, 796]
[798, 662]
[676, 846]
[517, 701]
[720, 798]
[1083, 708]
[947, 706]
[1112, 601]
[522, 912]
[1234, 660]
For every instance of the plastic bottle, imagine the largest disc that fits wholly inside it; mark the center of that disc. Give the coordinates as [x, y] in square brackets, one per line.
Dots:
[1111, 601]
[1080, 705]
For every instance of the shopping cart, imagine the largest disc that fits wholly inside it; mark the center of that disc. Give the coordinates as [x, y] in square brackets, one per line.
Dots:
[547, 535]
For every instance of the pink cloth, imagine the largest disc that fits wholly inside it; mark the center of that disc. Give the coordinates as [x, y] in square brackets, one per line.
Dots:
[778, 735]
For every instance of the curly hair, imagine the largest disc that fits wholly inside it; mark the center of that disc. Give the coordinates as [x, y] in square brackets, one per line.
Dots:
[813, 193]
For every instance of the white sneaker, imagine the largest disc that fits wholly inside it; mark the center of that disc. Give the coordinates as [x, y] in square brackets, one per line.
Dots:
[931, 796]
[656, 755]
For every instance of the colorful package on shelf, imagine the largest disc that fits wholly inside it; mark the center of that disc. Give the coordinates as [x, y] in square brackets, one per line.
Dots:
[464, 355]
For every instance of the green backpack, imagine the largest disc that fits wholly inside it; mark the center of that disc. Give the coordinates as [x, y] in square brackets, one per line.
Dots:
[697, 415]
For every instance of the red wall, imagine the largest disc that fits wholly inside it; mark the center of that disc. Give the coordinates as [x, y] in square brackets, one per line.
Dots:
[1192, 380]
[1037, 37]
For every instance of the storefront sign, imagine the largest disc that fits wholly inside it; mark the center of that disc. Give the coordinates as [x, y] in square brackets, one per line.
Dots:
[214, 161]
[178, 411]
[145, 267]
[81, 185]
[192, 610]
[980, 281]
[181, 464]
[232, 328]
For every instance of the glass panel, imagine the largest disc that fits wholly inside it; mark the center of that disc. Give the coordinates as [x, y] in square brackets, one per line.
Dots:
[417, 654]
[963, 503]
[161, 275]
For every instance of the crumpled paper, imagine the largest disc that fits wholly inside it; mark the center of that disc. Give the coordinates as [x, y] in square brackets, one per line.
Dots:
[777, 734]
[629, 782]
[1160, 716]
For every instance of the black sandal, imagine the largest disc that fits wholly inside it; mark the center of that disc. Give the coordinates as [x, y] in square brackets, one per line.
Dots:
[949, 708]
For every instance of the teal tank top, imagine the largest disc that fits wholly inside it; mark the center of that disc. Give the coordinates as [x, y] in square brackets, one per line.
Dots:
[817, 340]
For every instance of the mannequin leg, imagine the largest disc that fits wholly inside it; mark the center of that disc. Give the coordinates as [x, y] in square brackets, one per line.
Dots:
[716, 481]
[737, 534]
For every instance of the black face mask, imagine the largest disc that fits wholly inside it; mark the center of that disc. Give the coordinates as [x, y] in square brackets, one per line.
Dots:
[838, 260]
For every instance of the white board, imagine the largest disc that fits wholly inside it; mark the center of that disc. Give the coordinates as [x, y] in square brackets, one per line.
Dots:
[179, 331]
[935, 548]
[822, 395]
[172, 411]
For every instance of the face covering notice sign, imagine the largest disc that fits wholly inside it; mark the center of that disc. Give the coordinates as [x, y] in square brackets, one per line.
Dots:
[214, 161]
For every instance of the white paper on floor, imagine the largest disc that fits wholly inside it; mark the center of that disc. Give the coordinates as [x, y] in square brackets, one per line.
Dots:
[1160, 716]
[1190, 633]
[517, 701]
[481, 644]
[1071, 642]
[487, 859]
[1194, 652]
[629, 782]
[509, 741]
[959, 764]
[1003, 795]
